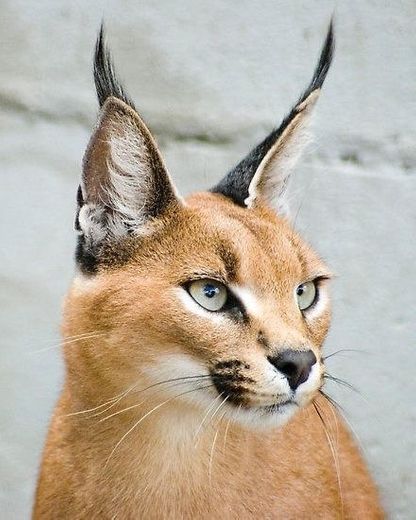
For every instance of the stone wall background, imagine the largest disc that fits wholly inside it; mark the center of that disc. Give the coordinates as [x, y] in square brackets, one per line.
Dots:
[211, 78]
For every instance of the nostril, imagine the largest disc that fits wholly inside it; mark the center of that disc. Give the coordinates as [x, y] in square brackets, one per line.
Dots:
[295, 365]
[289, 369]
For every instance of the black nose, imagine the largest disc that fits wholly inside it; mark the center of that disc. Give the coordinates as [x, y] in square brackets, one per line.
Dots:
[295, 365]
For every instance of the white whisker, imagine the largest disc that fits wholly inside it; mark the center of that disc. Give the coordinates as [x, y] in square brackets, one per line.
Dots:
[147, 415]
[226, 432]
[334, 457]
[218, 408]
[113, 400]
[175, 383]
[211, 455]
[68, 342]
[206, 414]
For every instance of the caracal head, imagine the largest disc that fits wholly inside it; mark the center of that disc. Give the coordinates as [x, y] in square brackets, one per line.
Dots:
[213, 300]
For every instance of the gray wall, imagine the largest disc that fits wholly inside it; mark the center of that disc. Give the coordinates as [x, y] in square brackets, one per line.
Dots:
[211, 78]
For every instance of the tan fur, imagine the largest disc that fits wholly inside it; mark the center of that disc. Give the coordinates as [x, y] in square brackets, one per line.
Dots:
[172, 411]
[170, 466]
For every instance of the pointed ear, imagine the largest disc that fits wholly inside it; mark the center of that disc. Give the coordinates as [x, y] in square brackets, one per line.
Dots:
[262, 176]
[125, 188]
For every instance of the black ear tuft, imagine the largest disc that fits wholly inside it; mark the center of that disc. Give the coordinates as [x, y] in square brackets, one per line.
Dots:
[325, 60]
[235, 185]
[106, 81]
[80, 202]
[125, 191]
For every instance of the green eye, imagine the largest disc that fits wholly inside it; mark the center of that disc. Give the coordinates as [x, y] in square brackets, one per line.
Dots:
[210, 294]
[306, 295]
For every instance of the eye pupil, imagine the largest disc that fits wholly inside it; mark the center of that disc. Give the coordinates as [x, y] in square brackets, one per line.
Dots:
[300, 290]
[210, 290]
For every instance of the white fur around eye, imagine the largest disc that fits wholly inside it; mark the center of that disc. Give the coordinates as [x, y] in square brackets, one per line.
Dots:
[249, 300]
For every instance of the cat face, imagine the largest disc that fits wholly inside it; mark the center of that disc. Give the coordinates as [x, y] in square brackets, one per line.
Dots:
[209, 301]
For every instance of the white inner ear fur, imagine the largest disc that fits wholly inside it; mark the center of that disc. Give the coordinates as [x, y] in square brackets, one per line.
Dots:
[91, 219]
[270, 180]
[130, 184]
[129, 172]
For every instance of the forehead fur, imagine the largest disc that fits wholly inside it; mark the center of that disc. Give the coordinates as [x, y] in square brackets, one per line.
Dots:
[264, 241]
[212, 236]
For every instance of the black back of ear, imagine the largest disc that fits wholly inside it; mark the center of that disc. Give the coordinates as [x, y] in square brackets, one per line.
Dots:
[264, 172]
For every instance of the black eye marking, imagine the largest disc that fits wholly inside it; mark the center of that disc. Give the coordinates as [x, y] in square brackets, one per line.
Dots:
[261, 338]
[235, 308]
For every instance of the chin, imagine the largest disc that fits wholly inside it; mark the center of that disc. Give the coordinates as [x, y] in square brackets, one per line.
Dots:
[262, 417]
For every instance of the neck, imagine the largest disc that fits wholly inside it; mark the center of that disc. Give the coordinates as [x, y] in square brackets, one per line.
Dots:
[156, 454]
[158, 439]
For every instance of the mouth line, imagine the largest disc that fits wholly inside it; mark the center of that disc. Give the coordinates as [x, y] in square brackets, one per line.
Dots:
[276, 407]
[238, 394]
[248, 399]
[268, 409]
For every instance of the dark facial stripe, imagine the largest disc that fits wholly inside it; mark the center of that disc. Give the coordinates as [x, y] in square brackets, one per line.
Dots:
[231, 363]
[230, 381]
[229, 258]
